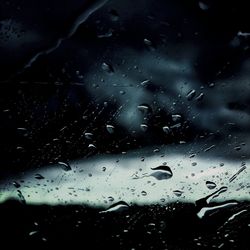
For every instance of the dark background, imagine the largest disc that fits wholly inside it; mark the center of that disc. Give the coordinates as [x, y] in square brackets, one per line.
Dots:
[51, 84]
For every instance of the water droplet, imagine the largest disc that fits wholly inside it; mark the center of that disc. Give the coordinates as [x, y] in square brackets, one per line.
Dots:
[33, 233]
[199, 97]
[39, 176]
[204, 210]
[144, 127]
[191, 95]
[236, 214]
[176, 118]
[117, 207]
[114, 16]
[178, 193]
[203, 6]
[144, 108]
[107, 34]
[107, 67]
[145, 83]
[21, 197]
[209, 148]
[64, 166]
[91, 146]
[237, 173]
[162, 172]
[210, 185]
[237, 148]
[111, 199]
[147, 42]
[166, 129]
[88, 136]
[206, 200]
[16, 184]
[110, 128]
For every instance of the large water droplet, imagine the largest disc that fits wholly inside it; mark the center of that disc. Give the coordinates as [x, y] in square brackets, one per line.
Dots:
[204, 210]
[117, 207]
[209, 148]
[206, 200]
[162, 172]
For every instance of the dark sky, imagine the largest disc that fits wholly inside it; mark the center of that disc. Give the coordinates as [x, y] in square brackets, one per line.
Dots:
[63, 76]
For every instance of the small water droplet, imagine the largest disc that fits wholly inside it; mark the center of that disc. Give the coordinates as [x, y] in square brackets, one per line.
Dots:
[64, 166]
[144, 108]
[114, 16]
[39, 177]
[110, 128]
[176, 118]
[88, 136]
[199, 97]
[210, 185]
[237, 173]
[107, 67]
[147, 42]
[21, 197]
[91, 146]
[166, 129]
[144, 127]
[16, 184]
[178, 193]
[145, 83]
[209, 148]
[111, 199]
[203, 6]
[237, 148]
[191, 94]
[33, 233]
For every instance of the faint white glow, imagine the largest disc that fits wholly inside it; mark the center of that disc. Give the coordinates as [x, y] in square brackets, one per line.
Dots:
[87, 183]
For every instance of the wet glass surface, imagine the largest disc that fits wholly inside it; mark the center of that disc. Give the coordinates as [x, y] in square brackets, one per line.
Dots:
[125, 124]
